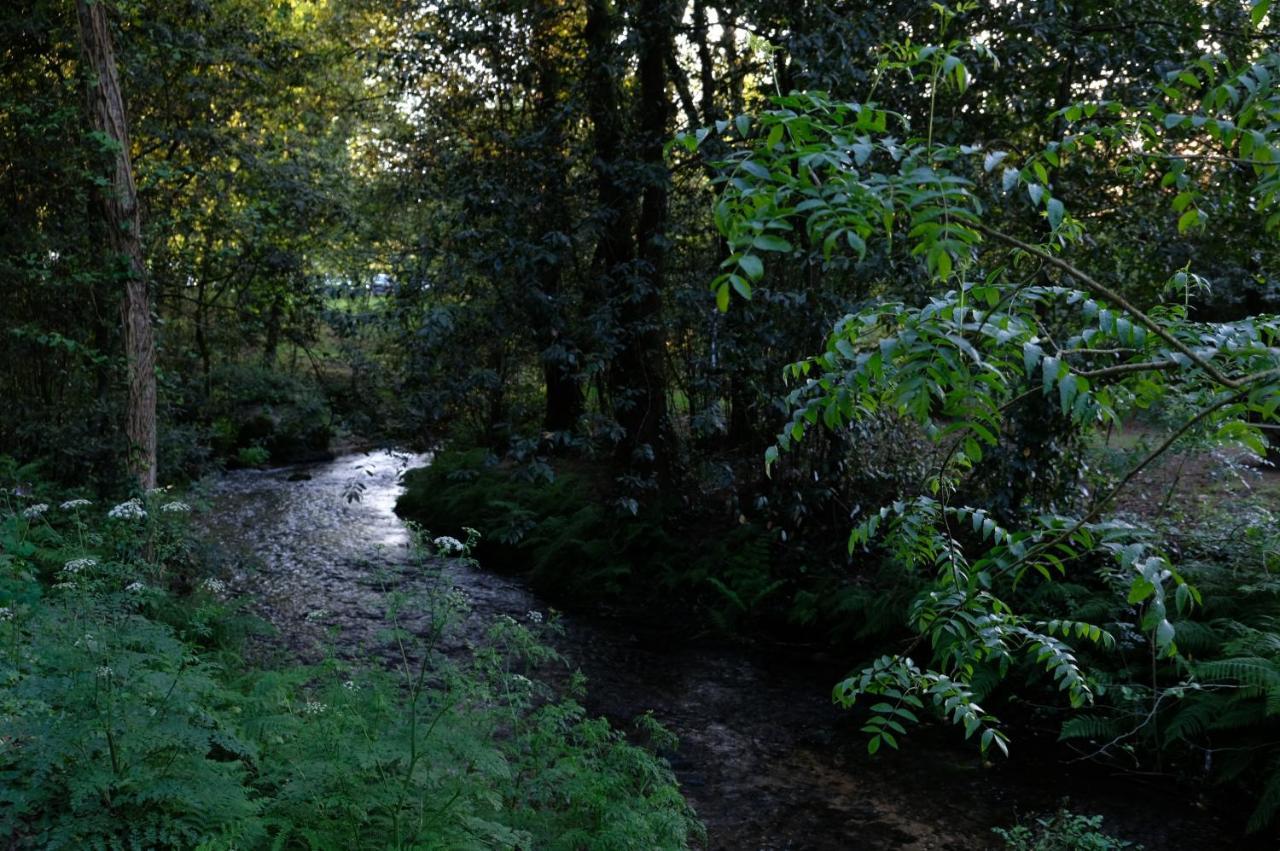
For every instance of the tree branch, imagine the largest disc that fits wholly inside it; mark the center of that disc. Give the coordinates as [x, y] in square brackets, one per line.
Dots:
[1111, 295]
[1121, 369]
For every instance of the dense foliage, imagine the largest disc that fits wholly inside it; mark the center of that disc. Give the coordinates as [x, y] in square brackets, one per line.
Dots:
[861, 325]
[133, 719]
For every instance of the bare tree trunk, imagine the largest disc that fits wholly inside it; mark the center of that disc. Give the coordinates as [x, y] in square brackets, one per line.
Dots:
[120, 214]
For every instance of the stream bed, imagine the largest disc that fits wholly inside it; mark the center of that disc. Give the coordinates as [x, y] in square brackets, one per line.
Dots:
[765, 759]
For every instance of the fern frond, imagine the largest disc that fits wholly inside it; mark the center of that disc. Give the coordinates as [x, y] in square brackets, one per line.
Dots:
[1091, 727]
[1246, 670]
[1268, 801]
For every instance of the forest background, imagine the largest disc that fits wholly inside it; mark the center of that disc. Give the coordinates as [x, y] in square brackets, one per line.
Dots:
[684, 292]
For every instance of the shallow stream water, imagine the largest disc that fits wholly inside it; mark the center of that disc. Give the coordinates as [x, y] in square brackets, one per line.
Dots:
[764, 757]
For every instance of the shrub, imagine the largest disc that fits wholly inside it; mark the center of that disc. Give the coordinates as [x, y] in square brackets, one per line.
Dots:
[576, 543]
[1062, 831]
[254, 409]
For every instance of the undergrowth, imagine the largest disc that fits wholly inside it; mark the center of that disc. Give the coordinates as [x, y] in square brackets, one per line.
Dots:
[1062, 831]
[129, 718]
[579, 545]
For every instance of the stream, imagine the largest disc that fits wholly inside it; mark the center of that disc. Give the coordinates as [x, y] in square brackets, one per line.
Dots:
[765, 758]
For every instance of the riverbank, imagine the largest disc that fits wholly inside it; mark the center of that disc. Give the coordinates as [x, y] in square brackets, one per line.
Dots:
[765, 759]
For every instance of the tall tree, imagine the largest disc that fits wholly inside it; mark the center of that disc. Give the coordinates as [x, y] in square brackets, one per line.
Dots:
[119, 209]
[639, 370]
[564, 400]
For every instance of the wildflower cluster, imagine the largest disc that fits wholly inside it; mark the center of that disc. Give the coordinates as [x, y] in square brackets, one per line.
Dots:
[448, 545]
[73, 504]
[78, 564]
[34, 511]
[130, 510]
[175, 507]
[214, 586]
[6, 614]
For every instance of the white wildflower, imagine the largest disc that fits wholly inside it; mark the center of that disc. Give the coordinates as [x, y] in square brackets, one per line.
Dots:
[522, 681]
[6, 614]
[35, 511]
[317, 614]
[175, 507]
[457, 599]
[131, 510]
[63, 586]
[105, 672]
[314, 708]
[73, 504]
[214, 586]
[158, 491]
[135, 588]
[448, 545]
[350, 685]
[534, 617]
[78, 564]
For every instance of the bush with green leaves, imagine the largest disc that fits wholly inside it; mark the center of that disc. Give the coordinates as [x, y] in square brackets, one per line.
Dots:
[1062, 831]
[557, 525]
[1015, 319]
[1210, 710]
[259, 413]
[130, 717]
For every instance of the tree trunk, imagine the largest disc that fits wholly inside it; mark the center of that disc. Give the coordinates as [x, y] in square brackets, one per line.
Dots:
[119, 208]
[272, 341]
[613, 248]
[564, 400]
[639, 370]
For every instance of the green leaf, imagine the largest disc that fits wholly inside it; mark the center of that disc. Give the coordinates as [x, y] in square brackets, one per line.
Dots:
[769, 242]
[1055, 211]
[752, 265]
[1140, 590]
[1031, 355]
[1188, 220]
[1259, 11]
[1050, 372]
[942, 263]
